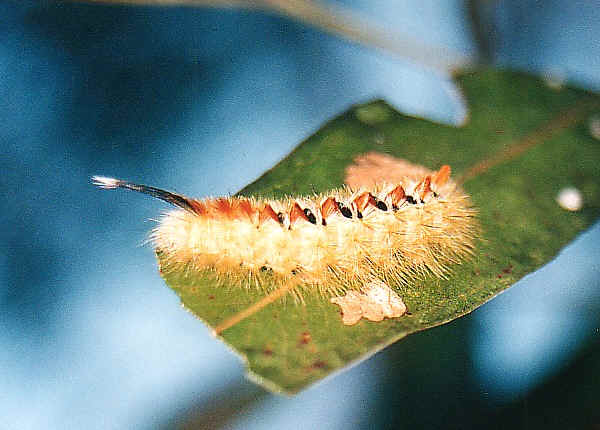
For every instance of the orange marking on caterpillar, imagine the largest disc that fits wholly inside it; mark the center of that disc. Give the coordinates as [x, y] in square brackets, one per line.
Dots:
[424, 188]
[329, 207]
[245, 209]
[267, 213]
[442, 176]
[297, 214]
[221, 207]
[198, 207]
[397, 195]
[364, 200]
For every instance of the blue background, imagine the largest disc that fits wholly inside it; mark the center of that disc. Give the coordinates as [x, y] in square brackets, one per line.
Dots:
[203, 101]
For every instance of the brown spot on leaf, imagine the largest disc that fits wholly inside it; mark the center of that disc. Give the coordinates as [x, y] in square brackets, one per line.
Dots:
[305, 338]
[211, 297]
[319, 364]
[268, 351]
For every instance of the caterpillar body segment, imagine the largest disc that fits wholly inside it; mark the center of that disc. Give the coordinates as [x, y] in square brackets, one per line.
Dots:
[331, 242]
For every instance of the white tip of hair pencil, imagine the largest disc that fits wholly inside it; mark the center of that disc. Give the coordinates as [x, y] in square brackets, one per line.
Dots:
[105, 182]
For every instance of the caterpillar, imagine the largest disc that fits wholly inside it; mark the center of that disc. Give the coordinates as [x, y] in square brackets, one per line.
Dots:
[333, 242]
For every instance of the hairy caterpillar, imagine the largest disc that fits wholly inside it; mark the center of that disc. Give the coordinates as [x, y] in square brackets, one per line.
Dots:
[331, 242]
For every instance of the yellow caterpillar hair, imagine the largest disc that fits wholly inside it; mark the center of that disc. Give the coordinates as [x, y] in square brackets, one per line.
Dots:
[330, 242]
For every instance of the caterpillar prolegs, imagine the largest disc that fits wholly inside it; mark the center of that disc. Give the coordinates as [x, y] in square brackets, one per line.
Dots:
[340, 240]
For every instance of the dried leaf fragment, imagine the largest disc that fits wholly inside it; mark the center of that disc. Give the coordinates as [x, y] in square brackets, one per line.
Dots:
[351, 305]
[374, 168]
[376, 302]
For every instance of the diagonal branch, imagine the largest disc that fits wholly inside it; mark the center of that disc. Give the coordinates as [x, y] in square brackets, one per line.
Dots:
[251, 310]
[339, 21]
[565, 119]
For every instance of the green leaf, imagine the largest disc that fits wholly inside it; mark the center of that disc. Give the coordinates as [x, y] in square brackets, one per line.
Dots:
[523, 143]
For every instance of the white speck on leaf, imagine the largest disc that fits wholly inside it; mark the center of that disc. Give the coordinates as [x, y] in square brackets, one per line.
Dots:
[570, 199]
[594, 126]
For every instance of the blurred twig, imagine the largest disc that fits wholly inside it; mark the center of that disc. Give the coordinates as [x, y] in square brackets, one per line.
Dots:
[482, 26]
[336, 20]
[565, 119]
[220, 408]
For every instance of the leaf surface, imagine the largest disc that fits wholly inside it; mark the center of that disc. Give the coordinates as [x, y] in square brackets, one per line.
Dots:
[523, 143]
